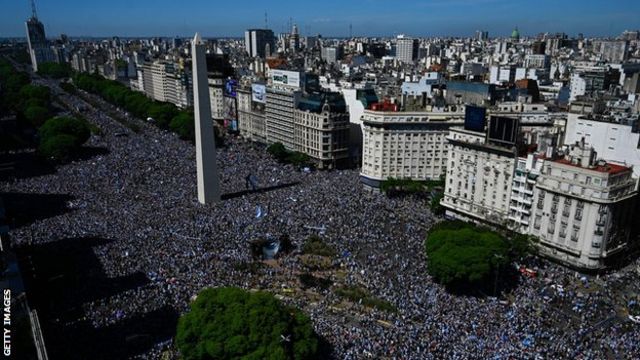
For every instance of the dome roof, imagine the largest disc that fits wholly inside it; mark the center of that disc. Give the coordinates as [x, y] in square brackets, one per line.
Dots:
[515, 34]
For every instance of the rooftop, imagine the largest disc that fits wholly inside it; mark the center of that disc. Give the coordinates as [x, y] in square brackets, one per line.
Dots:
[612, 169]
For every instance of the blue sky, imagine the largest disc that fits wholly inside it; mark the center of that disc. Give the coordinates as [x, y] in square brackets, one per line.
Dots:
[327, 17]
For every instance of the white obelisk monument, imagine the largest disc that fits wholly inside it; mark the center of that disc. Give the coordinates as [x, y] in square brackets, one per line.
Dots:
[208, 183]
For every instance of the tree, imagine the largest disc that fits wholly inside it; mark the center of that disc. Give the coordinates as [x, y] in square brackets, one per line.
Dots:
[278, 151]
[183, 125]
[231, 323]
[462, 255]
[298, 159]
[54, 70]
[59, 147]
[35, 92]
[77, 128]
[435, 205]
[36, 115]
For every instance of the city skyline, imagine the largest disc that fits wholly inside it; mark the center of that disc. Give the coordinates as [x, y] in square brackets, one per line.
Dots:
[333, 19]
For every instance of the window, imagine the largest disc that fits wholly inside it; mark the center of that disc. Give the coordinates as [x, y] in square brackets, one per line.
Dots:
[537, 221]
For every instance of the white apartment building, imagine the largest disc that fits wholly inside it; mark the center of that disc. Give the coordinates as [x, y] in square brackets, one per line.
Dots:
[614, 142]
[479, 178]
[584, 208]
[283, 92]
[407, 49]
[405, 145]
[216, 97]
[581, 209]
[162, 81]
[279, 110]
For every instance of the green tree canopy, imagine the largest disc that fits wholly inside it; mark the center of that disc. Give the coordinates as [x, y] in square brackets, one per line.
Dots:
[39, 92]
[461, 255]
[231, 323]
[54, 70]
[59, 147]
[278, 151]
[36, 115]
[183, 124]
[77, 128]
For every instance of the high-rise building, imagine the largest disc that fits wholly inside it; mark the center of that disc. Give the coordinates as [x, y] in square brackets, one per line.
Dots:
[614, 51]
[257, 41]
[583, 210]
[405, 145]
[407, 49]
[478, 185]
[219, 70]
[331, 54]
[251, 112]
[283, 92]
[613, 141]
[321, 128]
[482, 35]
[39, 49]
[294, 39]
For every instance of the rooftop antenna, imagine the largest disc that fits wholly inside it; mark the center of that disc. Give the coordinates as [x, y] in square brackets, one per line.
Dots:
[350, 31]
[33, 9]
[266, 23]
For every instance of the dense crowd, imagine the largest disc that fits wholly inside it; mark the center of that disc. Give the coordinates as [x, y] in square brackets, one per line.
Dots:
[142, 196]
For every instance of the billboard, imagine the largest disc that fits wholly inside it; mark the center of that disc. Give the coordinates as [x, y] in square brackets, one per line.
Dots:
[230, 88]
[259, 93]
[503, 130]
[283, 77]
[474, 118]
[230, 109]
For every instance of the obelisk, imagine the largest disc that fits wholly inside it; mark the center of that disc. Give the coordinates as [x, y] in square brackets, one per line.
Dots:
[208, 183]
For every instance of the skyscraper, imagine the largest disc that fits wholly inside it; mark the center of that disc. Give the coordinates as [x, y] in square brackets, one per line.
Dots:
[39, 49]
[208, 183]
[294, 40]
[257, 40]
[407, 49]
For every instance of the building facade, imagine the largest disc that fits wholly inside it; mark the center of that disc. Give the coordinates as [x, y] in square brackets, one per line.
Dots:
[405, 145]
[321, 129]
[259, 42]
[407, 49]
[479, 178]
[251, 117]
[39, 49]
[583, 212]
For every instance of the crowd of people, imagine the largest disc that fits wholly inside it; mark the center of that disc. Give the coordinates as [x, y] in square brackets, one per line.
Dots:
[141, 195]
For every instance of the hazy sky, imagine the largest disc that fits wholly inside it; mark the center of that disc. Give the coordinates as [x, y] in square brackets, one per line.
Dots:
[327, 17]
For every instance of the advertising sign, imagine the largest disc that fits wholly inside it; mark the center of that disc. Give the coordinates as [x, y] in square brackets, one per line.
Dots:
[230, 88]
[283, 77]
[259, 93]
[474, 118]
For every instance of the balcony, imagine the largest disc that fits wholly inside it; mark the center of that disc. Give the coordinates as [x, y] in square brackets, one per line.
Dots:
[522, 200]
[520, 209]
